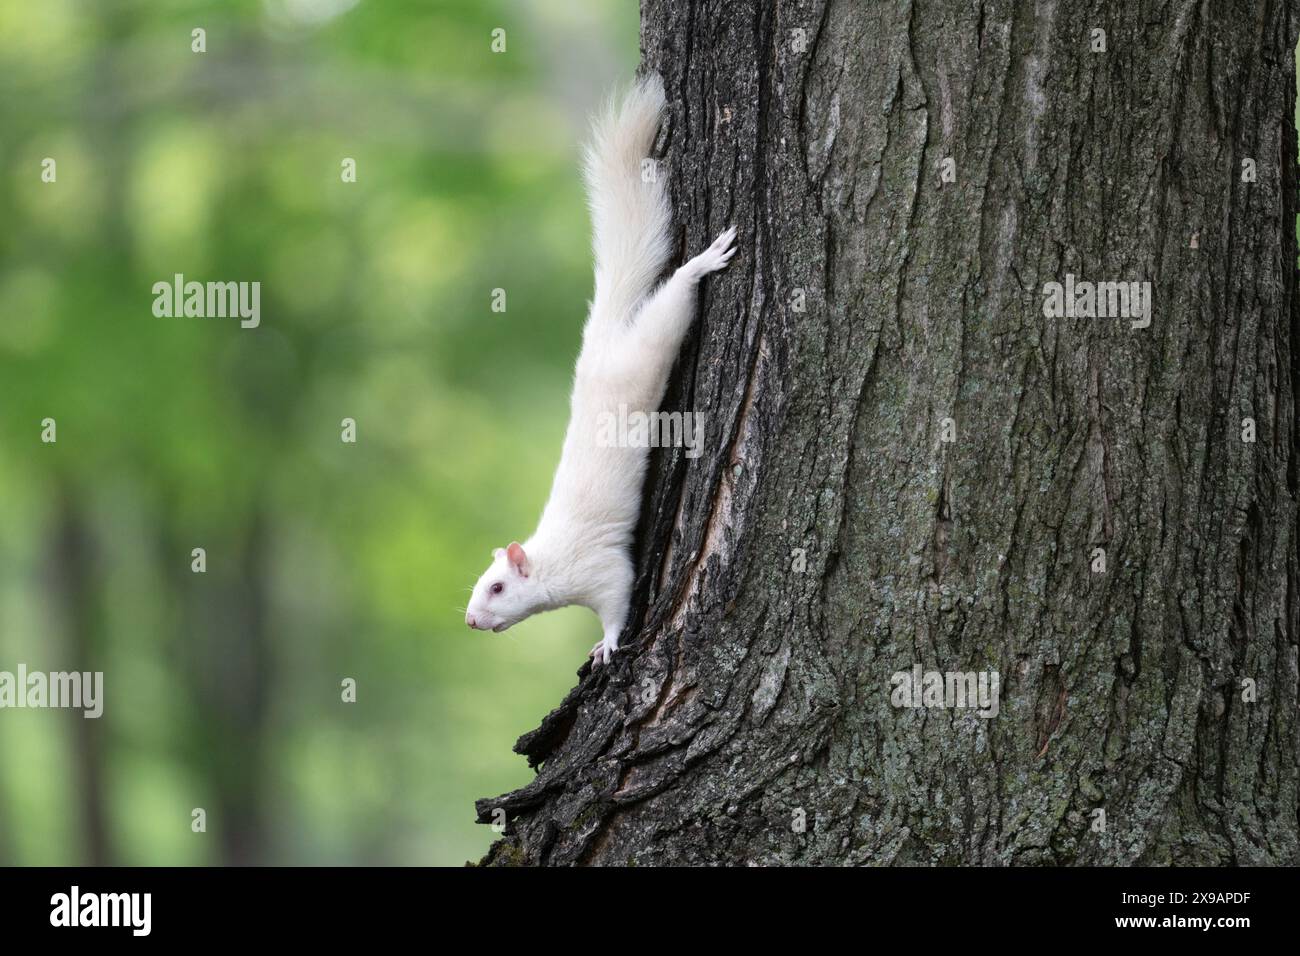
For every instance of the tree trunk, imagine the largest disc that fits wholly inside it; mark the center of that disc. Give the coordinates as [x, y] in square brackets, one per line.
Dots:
[831, 536]
[229, 670]
[77, 589]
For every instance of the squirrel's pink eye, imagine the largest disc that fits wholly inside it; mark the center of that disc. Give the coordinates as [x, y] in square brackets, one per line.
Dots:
[498, 588]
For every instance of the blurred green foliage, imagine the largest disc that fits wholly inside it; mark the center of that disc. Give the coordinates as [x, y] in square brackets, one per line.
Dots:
[325, 560]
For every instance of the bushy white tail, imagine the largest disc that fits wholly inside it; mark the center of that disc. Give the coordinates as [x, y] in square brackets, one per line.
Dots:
[629, 202]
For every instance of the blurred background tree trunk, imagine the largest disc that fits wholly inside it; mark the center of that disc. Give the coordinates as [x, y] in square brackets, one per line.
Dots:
[76, 586]
[830, 537]
[225, 655]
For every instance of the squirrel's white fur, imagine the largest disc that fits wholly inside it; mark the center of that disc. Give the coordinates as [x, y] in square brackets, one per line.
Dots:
[581, 550]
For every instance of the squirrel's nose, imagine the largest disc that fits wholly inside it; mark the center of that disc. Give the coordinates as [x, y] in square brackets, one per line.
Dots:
[469, 619]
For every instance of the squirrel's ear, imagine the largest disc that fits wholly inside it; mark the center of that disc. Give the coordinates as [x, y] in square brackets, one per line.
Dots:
[497, 552]
[518, 560]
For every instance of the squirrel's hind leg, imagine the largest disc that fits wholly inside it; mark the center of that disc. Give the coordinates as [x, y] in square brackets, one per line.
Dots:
[661, 323]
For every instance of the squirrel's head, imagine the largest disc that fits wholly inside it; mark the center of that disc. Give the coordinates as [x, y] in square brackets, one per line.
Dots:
[506, 593]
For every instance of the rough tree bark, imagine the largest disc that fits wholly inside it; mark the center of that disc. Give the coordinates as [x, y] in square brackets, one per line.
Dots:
[749, 690]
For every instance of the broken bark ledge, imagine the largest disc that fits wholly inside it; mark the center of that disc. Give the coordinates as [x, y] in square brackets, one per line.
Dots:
[906, 463]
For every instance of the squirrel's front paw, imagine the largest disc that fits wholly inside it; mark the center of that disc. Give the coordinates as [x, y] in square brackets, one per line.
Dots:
[602, 652]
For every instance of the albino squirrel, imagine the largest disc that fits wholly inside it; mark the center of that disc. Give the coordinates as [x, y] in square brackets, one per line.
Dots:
[581, 550]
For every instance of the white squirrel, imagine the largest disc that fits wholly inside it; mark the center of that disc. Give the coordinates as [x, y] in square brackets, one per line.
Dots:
[581, 551]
